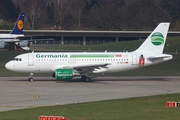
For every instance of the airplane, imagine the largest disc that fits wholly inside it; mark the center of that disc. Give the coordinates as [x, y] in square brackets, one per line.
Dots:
[66, 65]
[16, 39]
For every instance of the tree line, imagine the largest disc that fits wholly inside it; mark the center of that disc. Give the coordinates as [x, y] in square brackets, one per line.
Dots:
[91, 14]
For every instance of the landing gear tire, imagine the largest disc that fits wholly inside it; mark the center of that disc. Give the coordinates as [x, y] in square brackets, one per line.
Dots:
[30, 79]
[85, 79]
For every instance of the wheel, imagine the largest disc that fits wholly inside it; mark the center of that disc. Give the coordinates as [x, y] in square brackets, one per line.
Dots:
[83, 77]
[30, 79]
[87, 79]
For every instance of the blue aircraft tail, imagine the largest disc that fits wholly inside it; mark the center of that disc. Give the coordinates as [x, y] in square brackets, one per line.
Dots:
[18, 28]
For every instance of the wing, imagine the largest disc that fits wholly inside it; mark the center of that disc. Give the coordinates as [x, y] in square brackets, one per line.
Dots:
[30, 40]
[84, 68]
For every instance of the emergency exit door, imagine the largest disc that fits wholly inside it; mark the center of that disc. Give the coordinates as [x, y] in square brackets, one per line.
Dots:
[134, 59]
[31, 60]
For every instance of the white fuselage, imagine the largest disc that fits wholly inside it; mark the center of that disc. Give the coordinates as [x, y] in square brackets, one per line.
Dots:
[48, 62]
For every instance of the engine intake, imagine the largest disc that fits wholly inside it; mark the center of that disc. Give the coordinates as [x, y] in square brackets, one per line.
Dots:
[2, 46]
[23, 44]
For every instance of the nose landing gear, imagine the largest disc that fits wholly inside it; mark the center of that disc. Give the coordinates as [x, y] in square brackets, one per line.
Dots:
[30, 79]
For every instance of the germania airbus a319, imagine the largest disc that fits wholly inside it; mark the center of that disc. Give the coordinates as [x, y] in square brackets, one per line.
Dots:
[66, 65]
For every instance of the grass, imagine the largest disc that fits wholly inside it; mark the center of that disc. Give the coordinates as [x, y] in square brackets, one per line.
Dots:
[171, 46]
[111, 47]
[141, 108]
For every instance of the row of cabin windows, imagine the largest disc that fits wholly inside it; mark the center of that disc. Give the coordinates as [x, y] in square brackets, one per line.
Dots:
[81, 59]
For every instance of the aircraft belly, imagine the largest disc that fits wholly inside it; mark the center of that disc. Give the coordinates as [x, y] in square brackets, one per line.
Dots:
[33, 69]
[43, 69]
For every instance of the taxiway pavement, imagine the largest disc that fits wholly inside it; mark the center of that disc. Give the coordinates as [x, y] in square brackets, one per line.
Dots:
[18, 93]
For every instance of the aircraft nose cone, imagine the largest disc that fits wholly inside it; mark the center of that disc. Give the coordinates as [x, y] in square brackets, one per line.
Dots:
[8, 66]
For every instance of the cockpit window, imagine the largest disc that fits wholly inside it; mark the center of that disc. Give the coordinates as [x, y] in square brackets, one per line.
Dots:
[16, 59]
[19, 59]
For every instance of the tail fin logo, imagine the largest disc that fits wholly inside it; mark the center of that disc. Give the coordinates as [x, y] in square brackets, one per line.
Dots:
[20, 24]
[157, 39]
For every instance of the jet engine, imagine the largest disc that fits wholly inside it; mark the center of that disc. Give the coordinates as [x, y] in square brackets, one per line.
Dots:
[63, 74]
[23, 44]
[2, 45]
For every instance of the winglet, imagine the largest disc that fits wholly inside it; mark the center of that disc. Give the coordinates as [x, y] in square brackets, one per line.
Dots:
[18, 28]
[156, 40]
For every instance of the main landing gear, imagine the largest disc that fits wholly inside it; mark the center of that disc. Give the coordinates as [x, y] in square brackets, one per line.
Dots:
[85, 79]
[30, 79]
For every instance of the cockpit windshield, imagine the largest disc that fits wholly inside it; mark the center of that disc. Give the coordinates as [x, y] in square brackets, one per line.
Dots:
[16, 59]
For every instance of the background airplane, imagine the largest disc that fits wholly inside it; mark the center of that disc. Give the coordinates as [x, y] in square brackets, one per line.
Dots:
[16, 39]
[66, 65]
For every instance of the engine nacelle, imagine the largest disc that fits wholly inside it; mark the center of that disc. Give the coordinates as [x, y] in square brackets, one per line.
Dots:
[23, 44]
[64, 74]
[2, 45]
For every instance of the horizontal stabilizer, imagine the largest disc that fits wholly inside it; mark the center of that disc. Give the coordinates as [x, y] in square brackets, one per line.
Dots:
[156, 58]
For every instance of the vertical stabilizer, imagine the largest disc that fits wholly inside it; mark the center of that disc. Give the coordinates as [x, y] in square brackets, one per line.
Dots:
[18, 28]
[156, 40]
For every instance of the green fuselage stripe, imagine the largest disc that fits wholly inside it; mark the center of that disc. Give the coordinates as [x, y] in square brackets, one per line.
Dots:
[92, 56]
